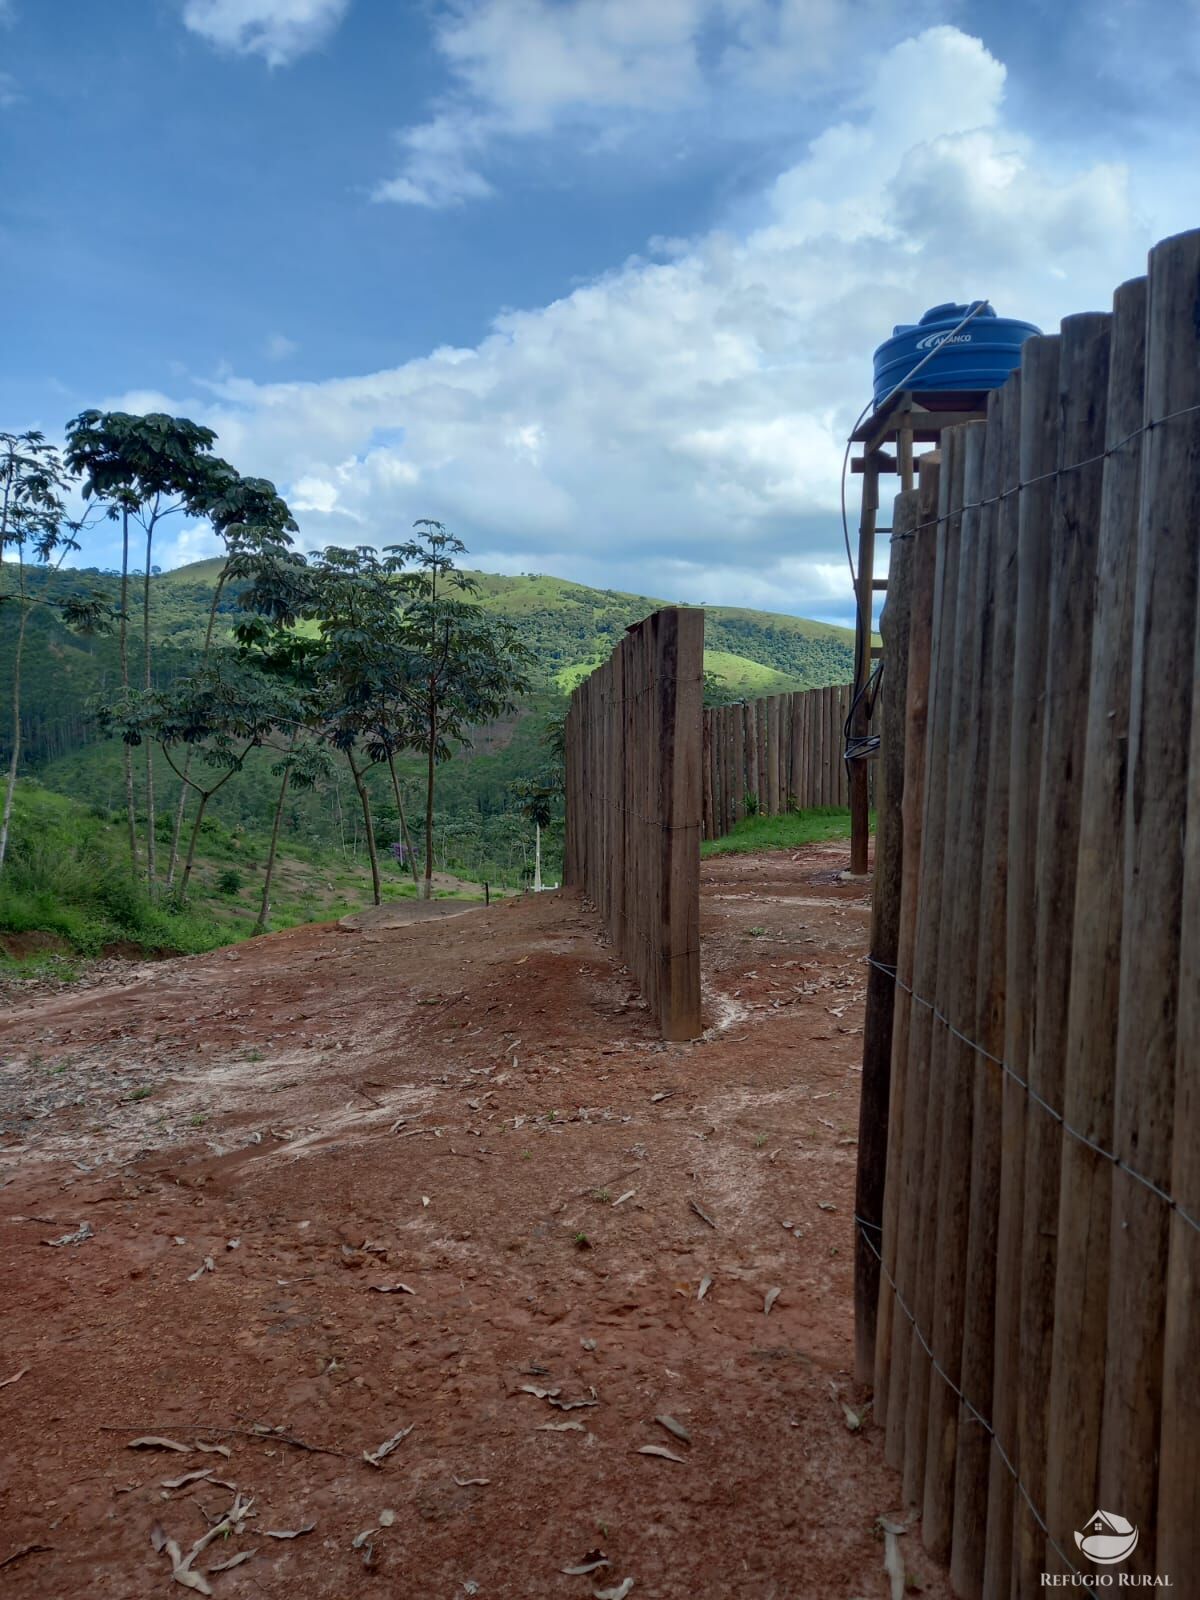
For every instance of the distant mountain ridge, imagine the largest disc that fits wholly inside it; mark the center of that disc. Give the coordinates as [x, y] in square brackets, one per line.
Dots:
[570, 627]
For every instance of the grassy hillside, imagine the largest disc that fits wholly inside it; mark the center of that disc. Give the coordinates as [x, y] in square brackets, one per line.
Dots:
[736, 677]
[479, 833]
[571, 626]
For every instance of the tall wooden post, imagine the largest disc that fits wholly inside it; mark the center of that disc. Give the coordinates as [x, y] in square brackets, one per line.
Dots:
[964, 844]
[1076, 1389]
[1161, 692]
[1038, 463]
[922, 939]
[860, 803]
[1072, 538]
[889, 1401]
[885, 931]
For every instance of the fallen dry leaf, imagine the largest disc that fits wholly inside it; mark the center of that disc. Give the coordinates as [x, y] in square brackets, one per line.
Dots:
[392, 1288]
[620, 1201]
[893, 1564]
[619, 1593]
[152, 1441]
[375, 1458]
[855, 1419]
[191, 1580]
[15, 1378]
[82, 1232]
[213, 1449]
[771, 1297]
[676, 1428]
[560, 1427]
[593, 1560]
[706, 1284]
[205, 1266]
[234, 1561]
[539, 1394]
[467, 1483]
[701, 1213]
[659, 1450]
[187, 1477]
[386, 1518]
[289, 1533]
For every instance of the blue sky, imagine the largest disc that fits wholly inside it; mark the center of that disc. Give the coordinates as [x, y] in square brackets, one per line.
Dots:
[596, 282]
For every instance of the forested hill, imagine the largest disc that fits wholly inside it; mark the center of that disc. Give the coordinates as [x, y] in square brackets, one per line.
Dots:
[570, 628]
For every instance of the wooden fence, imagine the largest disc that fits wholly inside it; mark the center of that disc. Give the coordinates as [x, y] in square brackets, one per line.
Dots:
[634, 807]
[775, 754]
[1036, 1243]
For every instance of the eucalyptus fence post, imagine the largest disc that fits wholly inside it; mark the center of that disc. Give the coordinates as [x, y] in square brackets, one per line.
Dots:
[709, 814]
[737, 758]
[960, 925]
[941, 558]
[938, 911]
[906, 522]
[1076, 1389]
[885, 926]
[1161, 693]
[764, 780]
[1038, 461]
[998, 525]
[1072, 538]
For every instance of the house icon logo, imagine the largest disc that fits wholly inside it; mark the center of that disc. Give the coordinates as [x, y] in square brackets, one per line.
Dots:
[1107, 1538]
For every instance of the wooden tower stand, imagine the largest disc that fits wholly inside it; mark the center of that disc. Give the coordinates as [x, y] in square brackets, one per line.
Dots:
[907, 419]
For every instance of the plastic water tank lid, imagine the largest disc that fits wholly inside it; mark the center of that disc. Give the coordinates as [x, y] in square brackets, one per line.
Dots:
[950, 312]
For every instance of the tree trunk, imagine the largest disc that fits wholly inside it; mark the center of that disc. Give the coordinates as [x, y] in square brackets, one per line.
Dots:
[427, 886]
[191, 855]
[408, 849]
[126, 751]
[260, 925]
[181, 808]
[11, 787]
[368, 827]
[537, 858]
[150, 841]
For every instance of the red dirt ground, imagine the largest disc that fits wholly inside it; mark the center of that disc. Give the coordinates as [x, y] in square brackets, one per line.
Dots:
[457, 1106]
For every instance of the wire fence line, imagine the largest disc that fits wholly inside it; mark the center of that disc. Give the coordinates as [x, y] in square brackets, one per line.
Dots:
[1009, 1071]
[975, 1413]
[1045, 477]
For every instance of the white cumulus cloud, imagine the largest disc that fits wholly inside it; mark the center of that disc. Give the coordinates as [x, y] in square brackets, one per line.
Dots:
[676, 426]
[277, 30]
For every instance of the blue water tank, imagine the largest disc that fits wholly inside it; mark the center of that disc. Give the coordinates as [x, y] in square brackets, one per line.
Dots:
[979, 356]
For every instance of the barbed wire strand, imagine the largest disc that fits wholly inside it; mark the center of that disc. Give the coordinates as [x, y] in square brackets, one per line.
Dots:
[1168, 1200]
[1043, 477]
[974, 1411]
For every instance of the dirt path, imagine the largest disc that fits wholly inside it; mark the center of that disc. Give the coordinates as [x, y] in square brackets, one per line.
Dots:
[477, 1109]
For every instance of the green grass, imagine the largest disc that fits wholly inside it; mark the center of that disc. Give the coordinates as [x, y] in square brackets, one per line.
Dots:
[781, 833]
[66, 876]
